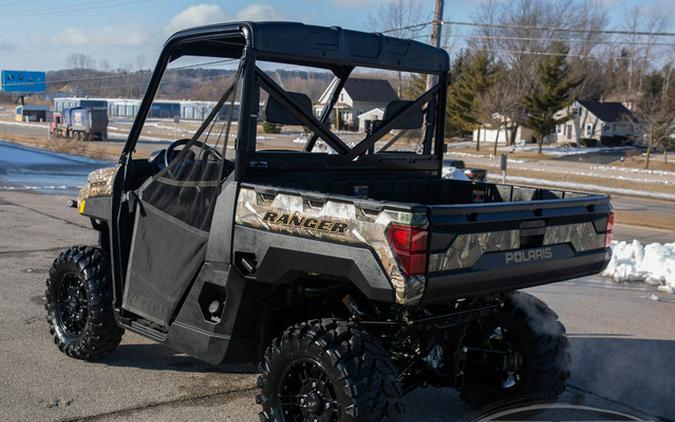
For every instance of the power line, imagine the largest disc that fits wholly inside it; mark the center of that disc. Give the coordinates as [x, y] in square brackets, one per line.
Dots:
[69, 9]
[422, 25]
[559, 29]
[575, 40]
[121, 75]
[419, 26]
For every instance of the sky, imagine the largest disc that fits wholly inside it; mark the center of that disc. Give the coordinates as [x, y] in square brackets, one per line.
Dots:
[130, 33]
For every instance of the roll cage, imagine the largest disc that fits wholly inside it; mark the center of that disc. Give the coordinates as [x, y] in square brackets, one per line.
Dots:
[335, 49]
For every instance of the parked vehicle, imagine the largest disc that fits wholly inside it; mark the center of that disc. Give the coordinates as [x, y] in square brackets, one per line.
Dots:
[81, 123]
[352, 277]
[473, 174]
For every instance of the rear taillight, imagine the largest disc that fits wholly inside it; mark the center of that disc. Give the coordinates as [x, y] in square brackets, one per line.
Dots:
[468, 173]
[410, 245]
[609, 234]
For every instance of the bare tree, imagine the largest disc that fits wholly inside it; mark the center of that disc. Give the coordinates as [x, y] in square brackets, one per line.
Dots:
[653, 123]
[641, 51]
[497, 106]
[399, 18]
[80, 61]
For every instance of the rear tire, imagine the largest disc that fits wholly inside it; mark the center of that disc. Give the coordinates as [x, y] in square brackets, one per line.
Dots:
[80, 303]
[531, 332]
[329, 371]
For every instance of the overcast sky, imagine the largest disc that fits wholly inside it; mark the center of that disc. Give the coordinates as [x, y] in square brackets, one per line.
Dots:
[129, 33]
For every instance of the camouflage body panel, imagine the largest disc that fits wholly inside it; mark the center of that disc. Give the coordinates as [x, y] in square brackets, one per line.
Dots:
[99, 183]
[582, 236]
[337, 221]
[466, 249]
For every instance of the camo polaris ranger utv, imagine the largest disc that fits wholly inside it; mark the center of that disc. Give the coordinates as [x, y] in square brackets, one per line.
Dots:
[353, 274]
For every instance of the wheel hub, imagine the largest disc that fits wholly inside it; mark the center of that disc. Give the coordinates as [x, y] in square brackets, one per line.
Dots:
[499, 362]
[72, 305]
[307, 393]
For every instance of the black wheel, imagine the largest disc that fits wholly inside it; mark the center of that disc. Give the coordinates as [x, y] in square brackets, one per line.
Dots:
[79, 303]
[520, 352]
[325, 370]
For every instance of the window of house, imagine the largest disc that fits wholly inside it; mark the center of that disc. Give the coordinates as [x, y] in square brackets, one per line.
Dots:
[558, 128]
[589, 129]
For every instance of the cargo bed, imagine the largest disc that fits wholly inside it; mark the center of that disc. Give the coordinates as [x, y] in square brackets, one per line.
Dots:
[483, 237]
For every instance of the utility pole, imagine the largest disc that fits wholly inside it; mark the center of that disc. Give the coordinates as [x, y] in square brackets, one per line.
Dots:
[436, 26]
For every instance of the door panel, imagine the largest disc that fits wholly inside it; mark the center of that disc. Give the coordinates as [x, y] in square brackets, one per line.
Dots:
[165, 257]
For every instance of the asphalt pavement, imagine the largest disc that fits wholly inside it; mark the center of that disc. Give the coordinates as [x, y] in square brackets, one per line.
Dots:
[622, 343]
[622, 339]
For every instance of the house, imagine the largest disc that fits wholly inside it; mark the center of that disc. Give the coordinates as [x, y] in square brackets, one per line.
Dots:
[596, 120]
[366, 119]
[358, 96]
[489, 132]
[32, 113]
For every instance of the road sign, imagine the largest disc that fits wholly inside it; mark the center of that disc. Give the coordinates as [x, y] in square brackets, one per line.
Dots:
[22, 82]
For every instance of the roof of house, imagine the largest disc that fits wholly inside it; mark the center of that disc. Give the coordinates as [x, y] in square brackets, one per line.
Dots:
[372, 90]
[374, 111]
[607, 112]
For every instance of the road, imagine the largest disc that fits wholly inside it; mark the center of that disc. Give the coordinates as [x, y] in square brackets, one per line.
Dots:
[46, 172]
[622, 344]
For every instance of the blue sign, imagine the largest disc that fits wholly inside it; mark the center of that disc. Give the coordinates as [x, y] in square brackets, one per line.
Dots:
[22, 82]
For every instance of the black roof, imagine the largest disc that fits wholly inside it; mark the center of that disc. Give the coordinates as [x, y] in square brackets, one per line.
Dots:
[375, 90]
[607, 112]
[297, 43]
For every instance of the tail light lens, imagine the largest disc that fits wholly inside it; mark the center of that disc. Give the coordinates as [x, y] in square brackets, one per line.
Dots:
[410, 245]
[609, 234]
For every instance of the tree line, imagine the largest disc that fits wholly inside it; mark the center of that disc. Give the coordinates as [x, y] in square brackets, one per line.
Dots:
[522, 61]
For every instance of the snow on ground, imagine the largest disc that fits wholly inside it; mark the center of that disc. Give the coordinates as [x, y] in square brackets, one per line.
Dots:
[633, 170]
[450, 172]
[563, 150]
[583, 187]
[653, 264]
[557, 150]
[453, 154]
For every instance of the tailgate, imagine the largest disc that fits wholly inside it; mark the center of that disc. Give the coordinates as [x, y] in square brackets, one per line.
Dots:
[492, 247]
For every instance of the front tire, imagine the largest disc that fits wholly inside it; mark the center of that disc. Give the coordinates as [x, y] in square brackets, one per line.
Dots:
[326, 370]
[80, 305]
[519, 352]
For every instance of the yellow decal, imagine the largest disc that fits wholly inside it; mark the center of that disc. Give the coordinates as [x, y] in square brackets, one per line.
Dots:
[286, 219]
[82, 205]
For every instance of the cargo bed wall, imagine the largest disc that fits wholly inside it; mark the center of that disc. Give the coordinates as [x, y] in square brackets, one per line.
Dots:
[429, 191]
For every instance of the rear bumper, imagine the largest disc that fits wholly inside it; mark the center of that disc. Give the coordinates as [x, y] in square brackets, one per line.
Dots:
[491, 274]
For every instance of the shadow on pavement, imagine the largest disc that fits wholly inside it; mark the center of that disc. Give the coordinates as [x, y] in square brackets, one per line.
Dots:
[613, 372]
[639, 373]
[162, 358]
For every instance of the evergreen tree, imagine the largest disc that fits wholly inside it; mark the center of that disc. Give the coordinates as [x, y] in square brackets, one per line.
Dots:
[474, 78]
[416, 86]
[551, 94]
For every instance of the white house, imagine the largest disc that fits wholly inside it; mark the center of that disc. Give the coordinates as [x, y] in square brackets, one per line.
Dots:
[358, 96]
[366, 119]
[593, 120]
[488, 132]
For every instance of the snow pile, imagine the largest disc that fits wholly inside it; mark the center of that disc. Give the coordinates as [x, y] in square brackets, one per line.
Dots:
[653, 264]
[450, 172]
